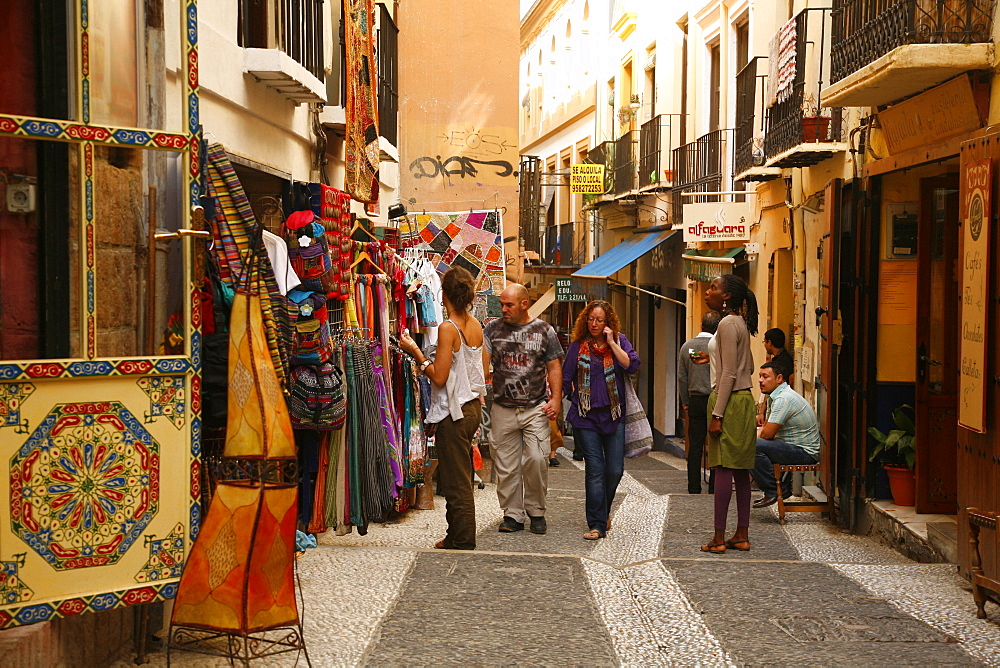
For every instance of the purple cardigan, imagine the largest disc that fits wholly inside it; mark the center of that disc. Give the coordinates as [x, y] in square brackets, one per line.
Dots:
[599, 416]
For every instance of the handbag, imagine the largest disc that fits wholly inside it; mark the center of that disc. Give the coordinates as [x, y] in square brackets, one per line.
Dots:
[317, 399]
[638, 434]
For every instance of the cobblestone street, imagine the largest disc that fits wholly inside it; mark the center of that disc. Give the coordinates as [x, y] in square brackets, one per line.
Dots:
[806, 594]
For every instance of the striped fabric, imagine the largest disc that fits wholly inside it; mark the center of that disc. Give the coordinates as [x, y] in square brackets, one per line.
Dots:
[233, 227]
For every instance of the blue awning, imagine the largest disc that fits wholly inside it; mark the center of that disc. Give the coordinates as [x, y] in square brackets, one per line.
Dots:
[623, 254]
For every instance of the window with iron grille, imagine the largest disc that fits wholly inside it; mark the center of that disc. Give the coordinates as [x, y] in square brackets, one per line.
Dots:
[292, 26]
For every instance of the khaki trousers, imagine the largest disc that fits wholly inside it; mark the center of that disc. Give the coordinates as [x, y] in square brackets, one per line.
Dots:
[519, 439]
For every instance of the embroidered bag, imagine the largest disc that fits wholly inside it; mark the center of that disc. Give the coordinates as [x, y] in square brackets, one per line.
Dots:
[316, 399]
[638, 434]
[309, 252]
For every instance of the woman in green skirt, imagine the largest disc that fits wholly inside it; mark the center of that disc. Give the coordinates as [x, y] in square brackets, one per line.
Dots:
[732, 435]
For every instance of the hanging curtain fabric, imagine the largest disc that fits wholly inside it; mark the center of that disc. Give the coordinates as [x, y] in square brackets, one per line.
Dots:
[361, 175]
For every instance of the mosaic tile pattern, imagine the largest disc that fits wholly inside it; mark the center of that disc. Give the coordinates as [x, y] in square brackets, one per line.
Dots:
[815, 539]
[650, 619]
[936, 595]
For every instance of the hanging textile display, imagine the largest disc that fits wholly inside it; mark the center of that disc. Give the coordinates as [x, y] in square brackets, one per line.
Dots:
[233, 228]
[238, 583]
[472, 240]
[354, 401]
[334, 210]
[362, 164]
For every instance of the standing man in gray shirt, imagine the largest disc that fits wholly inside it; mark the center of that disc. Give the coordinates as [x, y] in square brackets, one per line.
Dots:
[695, 384]
[524, 352]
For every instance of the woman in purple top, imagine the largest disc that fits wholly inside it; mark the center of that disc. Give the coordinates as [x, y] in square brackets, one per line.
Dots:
[594, 379]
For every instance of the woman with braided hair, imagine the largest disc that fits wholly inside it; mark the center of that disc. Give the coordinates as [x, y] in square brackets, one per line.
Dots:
[732, 434]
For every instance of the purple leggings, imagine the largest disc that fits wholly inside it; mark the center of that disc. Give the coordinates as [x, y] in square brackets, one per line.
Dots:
[723, 493]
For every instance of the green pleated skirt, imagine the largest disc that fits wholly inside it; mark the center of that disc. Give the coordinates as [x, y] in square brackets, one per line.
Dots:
[736, 447]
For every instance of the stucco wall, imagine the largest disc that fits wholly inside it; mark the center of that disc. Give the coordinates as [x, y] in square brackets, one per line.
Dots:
[244, 115]
[458, 109]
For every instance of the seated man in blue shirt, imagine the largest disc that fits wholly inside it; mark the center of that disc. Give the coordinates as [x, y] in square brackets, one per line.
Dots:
[790, 434]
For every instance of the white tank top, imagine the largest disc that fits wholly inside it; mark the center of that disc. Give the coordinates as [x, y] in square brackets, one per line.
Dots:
[466, 381]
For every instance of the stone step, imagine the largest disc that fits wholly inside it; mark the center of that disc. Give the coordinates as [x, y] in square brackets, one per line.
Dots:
[944, 537]
[815, 493]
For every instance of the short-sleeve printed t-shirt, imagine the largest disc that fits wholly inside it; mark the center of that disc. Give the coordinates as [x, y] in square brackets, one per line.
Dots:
[519, 354]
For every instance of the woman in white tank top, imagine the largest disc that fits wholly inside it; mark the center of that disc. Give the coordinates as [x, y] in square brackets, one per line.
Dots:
[458, 384]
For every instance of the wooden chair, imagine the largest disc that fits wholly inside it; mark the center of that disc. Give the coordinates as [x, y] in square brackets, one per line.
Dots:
[983, 588]
[818, 506]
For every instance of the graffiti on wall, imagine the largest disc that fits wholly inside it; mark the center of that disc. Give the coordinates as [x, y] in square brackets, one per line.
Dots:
[467, 154]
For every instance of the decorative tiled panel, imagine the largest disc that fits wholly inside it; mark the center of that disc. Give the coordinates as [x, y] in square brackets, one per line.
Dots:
[85, 485]
[131, 367]
[26, 126]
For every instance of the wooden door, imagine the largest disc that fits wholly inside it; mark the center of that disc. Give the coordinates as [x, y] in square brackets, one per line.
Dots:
[829, 325]
[937, 345]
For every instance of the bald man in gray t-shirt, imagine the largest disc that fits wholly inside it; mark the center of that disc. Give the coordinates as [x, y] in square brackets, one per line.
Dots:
[524, 352]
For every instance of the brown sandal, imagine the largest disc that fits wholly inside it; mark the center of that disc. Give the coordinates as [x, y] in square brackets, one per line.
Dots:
[714, 548]
[741, 545]
[593, 534]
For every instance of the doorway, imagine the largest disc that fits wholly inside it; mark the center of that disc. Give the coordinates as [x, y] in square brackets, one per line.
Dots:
[936, 390]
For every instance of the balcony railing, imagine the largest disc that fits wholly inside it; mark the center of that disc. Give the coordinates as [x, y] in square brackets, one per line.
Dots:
[559, 245]
[699, 166]
[625, 163]
[865, 30]
[796, 116]
[747, 83]
[604, 154]
[292, 26]
[529, 202]
[388, 76]
[656, 166]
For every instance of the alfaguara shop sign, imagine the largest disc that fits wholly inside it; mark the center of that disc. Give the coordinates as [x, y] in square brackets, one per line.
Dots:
[717, 221]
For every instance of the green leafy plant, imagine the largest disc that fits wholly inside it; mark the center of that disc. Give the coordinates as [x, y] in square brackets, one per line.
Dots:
[901, 439]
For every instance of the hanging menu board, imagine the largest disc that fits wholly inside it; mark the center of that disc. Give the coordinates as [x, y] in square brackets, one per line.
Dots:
[978, 179]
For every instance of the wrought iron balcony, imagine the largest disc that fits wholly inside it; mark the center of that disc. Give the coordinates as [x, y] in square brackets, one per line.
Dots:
[748, 141]
[798, 130]
[625, 163]
[530, 201]
[865, 30]
[656, 167]
[699, 166]
[560, 247]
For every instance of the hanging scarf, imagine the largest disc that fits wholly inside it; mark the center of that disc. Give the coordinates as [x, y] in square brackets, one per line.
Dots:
[583, 378]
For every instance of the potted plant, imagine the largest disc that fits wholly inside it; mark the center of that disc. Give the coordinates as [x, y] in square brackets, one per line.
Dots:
[898, 455]
[814, 124]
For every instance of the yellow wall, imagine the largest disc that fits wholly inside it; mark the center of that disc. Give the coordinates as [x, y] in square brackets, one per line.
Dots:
[897, 332]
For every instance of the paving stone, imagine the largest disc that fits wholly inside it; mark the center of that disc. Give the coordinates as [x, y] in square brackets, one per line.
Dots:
[661, 481]
[690, 525]
[462, 609]
[807, 594]
[751, 607]
[647, 463]
[564, 515]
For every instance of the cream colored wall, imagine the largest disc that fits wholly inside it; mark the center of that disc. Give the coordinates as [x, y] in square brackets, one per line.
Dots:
[897, 343]
[245, 116]
[458, 81]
